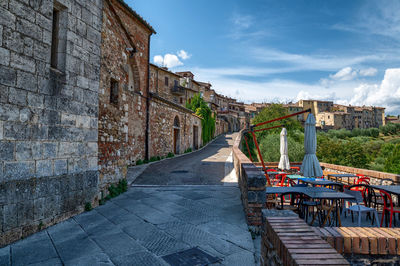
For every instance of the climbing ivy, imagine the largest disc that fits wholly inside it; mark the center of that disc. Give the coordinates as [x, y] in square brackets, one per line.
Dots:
[199, 106]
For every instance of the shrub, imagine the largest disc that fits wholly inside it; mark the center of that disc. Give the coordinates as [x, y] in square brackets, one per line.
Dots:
[170, 155]
[88, 206]
[139, 162]
[188, 150]
[153, 159]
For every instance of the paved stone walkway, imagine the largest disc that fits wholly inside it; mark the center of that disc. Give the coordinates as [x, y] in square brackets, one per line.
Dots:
[205, 167]
[148, 222]
[142, 225]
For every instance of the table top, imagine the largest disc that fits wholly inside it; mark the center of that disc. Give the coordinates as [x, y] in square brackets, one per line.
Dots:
[321, 182]
[329, 195]
[295, 176]
[312, 192]
[283, 190]
[394, 189]
[342, 175]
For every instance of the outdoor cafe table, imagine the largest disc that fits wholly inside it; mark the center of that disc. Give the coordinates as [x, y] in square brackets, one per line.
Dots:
[299, 177]
[336, 176]
[314, 193]
[394, 189]
[322, 182]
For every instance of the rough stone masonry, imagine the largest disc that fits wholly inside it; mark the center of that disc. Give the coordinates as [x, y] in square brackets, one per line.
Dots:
[49, 81]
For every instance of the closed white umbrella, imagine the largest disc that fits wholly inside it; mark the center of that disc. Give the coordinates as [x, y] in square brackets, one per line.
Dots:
[284, 161]
[310, 166]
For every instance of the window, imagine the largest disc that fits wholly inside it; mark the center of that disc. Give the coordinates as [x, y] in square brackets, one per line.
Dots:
[114, 91]
[190, 100]
[54, 38]
[175, 82]
[181, 100]
[166, 81]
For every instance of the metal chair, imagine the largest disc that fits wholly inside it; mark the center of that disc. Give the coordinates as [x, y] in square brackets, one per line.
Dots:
[359, 208]
[388, 206]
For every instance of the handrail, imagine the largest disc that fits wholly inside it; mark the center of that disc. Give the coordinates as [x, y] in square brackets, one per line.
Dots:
[252, 131]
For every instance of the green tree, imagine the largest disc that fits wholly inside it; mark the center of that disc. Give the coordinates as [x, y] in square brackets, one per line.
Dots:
[392, 163]
[200, 107]
[275, 111]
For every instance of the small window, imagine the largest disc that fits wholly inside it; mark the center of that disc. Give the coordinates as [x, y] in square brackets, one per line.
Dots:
[190, 101]
[181, 100]
[114, 91]
[54, 38]
[166, 81]
[175, 82]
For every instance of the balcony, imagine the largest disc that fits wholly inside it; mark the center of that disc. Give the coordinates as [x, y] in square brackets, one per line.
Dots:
[178, 90]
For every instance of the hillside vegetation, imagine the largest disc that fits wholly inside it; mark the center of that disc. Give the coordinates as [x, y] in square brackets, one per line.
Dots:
[375, 149]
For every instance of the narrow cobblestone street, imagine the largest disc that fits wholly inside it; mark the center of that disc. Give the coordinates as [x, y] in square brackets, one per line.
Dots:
[148, 222]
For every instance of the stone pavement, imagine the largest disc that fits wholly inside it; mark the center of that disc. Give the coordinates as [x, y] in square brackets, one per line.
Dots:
[209, 166]
[142, 225]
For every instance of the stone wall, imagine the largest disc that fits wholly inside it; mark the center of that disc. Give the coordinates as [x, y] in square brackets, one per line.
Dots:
[48, 115]
[221, 126]
[163, 114]
[122, 124]
[252, 183]
[375, 176]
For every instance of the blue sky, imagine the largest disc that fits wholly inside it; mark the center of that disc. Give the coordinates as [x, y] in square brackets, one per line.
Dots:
[263, 50]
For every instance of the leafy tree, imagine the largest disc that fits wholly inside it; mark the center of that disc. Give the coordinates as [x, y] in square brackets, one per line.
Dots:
[275, 111]
[200, 107]
[392, 163]
[270, 149]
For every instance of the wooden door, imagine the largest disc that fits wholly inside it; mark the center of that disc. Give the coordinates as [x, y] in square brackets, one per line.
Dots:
[195, 137]
[176, 139]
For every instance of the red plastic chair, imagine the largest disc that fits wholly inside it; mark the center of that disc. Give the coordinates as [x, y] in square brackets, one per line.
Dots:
[362, 179]
[388, 201]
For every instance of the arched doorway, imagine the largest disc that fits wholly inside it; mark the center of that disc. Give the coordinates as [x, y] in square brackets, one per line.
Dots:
[176, 135]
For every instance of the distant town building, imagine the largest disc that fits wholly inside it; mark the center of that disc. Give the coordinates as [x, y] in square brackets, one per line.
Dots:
[330, 115]
[392, 119]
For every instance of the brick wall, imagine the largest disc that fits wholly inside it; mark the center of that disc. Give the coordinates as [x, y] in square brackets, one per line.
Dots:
[288, 240]
[48, 117]
[251, 183]
[122, 125]
[362, 240]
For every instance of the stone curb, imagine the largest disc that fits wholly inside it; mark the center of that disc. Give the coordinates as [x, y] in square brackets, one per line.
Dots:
[142, 168]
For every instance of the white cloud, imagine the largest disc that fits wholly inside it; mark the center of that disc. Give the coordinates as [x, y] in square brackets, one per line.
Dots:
[168, 60]
[159, 60]
[346, 73]
[183, 55]
[304, 62]
[386, 94]
[376, 17]
[242, 21]
[306, 95]
[368, 72]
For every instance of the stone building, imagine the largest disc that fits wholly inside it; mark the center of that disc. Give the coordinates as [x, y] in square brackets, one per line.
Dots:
[173, 127]
[335, 116]
[124, 91]
[49, 81]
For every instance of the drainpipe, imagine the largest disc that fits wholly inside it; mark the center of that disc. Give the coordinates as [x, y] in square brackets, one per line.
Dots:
[147, 139]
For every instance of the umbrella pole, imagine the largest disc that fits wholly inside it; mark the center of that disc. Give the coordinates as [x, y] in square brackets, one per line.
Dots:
[261, 158]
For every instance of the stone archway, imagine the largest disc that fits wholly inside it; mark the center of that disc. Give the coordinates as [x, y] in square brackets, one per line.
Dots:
[176, 129]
